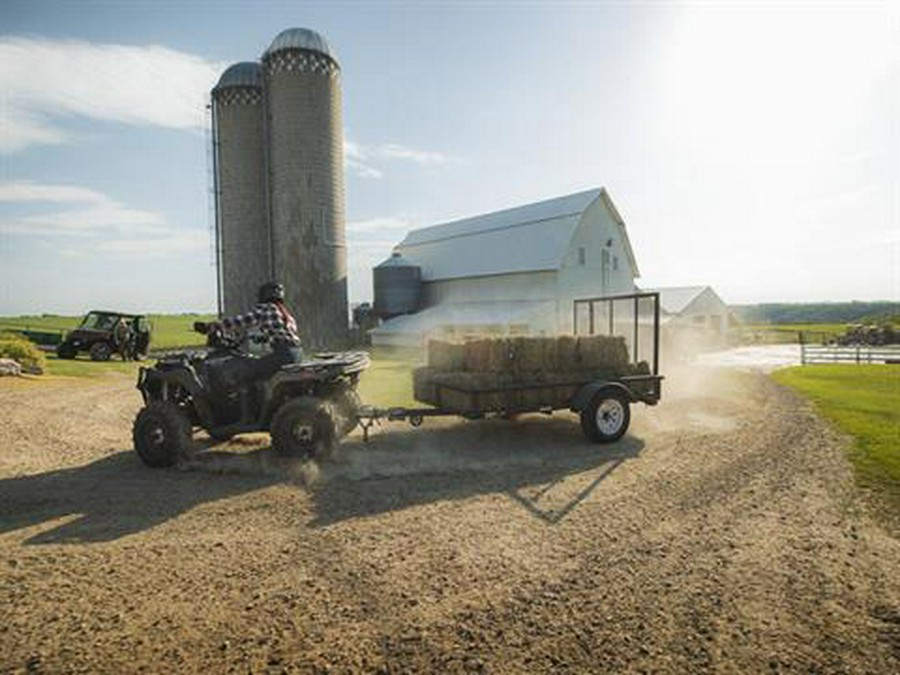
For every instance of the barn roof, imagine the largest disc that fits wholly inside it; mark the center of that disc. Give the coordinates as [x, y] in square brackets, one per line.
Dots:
[463, 314]
[674, 300]
[528, 238]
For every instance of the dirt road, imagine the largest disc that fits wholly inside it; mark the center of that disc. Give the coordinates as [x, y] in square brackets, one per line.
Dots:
[721, 535]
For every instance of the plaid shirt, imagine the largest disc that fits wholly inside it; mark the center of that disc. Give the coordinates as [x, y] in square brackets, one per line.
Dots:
[276, 324]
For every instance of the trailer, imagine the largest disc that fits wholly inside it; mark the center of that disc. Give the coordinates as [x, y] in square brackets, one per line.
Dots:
[602, 403]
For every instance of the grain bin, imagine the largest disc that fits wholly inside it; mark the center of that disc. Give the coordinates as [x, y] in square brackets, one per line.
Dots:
[306, 178]
[242, 221]
[398, 287]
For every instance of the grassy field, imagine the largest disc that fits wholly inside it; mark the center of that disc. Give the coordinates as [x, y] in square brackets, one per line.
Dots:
[169, 330]
[388, 382]
[864, 402]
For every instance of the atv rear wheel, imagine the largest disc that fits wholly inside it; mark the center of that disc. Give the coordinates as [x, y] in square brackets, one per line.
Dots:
[304, 428]
[101, 351]
[162, 434]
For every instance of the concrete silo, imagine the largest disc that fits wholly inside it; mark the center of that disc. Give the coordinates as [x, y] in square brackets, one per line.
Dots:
[242, 217]
[303, 96]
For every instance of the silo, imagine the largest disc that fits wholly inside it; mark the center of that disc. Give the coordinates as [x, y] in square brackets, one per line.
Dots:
[398, 287]
[242, 222]
[306, 174]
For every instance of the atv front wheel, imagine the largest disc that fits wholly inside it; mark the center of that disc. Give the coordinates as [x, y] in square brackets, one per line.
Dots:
[304, 428]
[101, 351]
[162, 434]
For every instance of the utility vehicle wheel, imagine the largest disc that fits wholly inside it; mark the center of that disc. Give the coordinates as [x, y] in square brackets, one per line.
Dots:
[162, 434]
[606, 418]
[66, 351]
[304, 428]
[101, 351]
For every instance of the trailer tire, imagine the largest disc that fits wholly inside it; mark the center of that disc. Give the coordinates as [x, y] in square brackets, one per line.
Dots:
[162, 434]
[304, 428]
[606, 417]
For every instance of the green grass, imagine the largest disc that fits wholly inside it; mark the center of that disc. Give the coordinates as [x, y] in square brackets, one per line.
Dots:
[864, 402]
[84, 367]
[169, 330]
[388, 382]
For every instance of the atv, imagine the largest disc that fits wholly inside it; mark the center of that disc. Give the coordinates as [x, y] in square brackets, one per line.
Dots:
[306, 407]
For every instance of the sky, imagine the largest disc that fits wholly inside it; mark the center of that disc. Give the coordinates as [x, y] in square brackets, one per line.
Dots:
[750, 146]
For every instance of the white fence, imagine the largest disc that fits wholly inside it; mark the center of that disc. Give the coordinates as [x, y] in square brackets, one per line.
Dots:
[854, 354]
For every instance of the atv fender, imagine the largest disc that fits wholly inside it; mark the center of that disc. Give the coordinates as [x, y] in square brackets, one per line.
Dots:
[182, 378]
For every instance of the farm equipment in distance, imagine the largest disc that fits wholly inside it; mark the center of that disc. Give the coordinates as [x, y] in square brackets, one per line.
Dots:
[96, 336]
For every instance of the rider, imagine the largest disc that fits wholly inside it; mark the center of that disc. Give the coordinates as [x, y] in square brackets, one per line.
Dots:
[277, 327]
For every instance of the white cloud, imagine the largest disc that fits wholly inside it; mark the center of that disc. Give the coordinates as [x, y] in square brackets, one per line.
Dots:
[393, 224]
[362, 158]
[28, 191]
[100, 222]
[171, 242]
[44, 79]
[95, 213]
[395, 151]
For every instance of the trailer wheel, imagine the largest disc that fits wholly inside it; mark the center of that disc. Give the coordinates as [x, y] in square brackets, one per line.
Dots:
[606, 418]
[162, 434]
[101, 351]
[304, 428]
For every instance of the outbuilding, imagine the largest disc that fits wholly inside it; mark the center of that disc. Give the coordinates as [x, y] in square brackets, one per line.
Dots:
[693, 318]
[515, 271]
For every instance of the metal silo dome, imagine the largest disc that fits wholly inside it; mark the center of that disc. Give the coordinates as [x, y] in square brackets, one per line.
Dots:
[306, 174]
[243, 74]
[398, 287]
[301, 38]
[242, 221]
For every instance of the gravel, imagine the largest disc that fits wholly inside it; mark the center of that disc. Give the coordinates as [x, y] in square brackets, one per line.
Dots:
[722, 534]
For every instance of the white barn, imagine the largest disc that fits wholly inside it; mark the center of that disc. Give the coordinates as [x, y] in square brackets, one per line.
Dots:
[695, 307]
[516, 271]
[692, 319]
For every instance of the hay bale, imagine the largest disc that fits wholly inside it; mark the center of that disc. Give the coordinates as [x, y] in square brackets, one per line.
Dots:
[488, 355]
[566, 352]
[446, 356]
[424, 389]
[533, 355]
[602, 352]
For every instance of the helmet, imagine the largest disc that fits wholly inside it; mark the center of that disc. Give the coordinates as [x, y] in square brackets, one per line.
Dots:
[271, 291]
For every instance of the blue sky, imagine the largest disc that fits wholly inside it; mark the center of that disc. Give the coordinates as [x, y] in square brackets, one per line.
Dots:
[750, 146]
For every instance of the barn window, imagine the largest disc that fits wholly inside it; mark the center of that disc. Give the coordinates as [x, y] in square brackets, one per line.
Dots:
[604, 269]
[582, 255]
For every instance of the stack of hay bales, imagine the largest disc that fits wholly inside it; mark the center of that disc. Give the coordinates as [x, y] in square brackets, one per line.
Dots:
[516, 372]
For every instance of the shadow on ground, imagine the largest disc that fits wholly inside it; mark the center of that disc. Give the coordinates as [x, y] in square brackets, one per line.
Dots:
[544, 465]
[111, 498]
